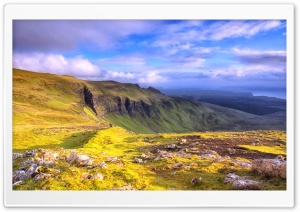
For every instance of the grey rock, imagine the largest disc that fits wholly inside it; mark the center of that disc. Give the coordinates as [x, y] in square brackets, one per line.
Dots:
[26, 162]
[241, 182]
[103, 165]
[32, 170]
[17, 155]
[19, 175]
[138, 160]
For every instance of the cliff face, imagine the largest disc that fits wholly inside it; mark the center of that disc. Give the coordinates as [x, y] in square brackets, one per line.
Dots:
[107, 104]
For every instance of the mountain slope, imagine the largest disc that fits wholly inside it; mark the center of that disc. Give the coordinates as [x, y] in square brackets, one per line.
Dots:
[50, 100]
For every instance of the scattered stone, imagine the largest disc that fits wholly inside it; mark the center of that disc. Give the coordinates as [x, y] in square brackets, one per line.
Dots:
[138, 160]
[72, 158]
[17, 155]
[171, 146]
[19, 176]
[26, 162]
[32, 170]
[231, 151]
[241, 182]
[31, 153]
[41, 176]
[103, 165]
[50, 156]
[112, 159]
[145, 157]
[17, 183]
[80, 160]
[194, 181]
[243, 164]
[97, 177]
[177, 166]
[183, 141]
[173, 173]
[163, 154]
[270, 167]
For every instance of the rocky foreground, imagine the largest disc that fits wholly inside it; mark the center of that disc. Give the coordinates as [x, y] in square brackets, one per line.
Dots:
[41, 164]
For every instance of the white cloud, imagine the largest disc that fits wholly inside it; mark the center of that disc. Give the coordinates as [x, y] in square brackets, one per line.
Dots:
[216, 31]
[152, 77]
[56, 64]
[243, 71]
[123, 60]
[250, 52]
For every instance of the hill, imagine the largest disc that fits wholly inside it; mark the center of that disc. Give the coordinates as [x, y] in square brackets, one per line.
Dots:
[257, 105]
[51, 100]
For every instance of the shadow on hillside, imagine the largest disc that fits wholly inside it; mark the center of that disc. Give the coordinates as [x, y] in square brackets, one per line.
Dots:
[76, 140]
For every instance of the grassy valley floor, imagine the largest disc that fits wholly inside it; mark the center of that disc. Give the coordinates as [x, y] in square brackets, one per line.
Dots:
[123, 160]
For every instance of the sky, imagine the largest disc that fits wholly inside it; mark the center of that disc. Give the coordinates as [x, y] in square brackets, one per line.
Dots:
[232, 55]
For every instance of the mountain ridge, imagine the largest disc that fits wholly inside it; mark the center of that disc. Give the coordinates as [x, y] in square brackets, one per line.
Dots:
[63, 100]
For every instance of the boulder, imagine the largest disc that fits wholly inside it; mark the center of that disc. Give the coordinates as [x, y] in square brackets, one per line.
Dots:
[19, 176]
[80, 160]
[41, 176]
[171, 146]
[138, 160]
[17, 155]
[83, 160]
[26, 162]
[112, 159]
[31, 153]
[97, 177]
[177, 166]
[103, 165]
[270, 167]
[50, 156]
[241, 182]
[32, 170]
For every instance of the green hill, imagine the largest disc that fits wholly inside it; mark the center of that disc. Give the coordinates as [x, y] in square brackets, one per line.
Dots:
[41, 99]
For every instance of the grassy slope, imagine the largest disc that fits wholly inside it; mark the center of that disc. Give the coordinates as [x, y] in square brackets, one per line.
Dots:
[48, 113]
[152, 175]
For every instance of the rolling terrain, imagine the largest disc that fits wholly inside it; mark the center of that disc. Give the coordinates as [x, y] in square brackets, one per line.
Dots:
[71, 134]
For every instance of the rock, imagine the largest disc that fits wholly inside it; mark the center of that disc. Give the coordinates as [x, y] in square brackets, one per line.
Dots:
[173, 173]
[270, 167]
[84, 160]
[80, 160]
[50, 156]
[72, 158]
[19, 176]
[32, 170]
[17, 183]
[145, 157]
[171, 146]
[17, 155]
[231, 151]
[41, 176]
[31, 153]
[177, 166]
[112, 159]
[103, 165]
[98, 177]
[183, 141]
[194, 181]
[241, 182]
[138, 160]
[26, 162]
[163, 154]
[243, 164]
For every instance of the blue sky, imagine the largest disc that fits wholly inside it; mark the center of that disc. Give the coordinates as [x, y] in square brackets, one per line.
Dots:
[236, 55]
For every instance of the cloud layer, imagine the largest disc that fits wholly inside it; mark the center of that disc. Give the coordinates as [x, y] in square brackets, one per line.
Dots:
[197, 53]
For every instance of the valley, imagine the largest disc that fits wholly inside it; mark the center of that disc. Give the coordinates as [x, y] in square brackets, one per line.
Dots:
[71, 134]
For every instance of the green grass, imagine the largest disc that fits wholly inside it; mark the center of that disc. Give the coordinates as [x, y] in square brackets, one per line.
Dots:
[275, 150]
[152, 175]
